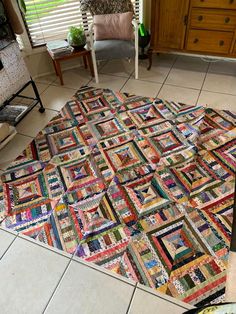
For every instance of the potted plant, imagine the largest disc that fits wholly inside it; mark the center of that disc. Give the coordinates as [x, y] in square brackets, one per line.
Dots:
[76, 37]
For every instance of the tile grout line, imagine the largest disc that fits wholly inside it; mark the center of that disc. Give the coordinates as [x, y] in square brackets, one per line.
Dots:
[166, 77]
[126, 82]
[160, 297]
[51, 109]
[48, 85]
[181, 86]
[207, 70]
[221, 93]
[59, 85]
[131, 299]
[25, 135]
[43, 245]
[100, 270]
[77, 260]
[16, 236]
[57, 285]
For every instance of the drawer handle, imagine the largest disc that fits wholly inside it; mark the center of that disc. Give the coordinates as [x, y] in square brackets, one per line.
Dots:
[200, 18]
[221, 43]
[196, 40]
[227, 20]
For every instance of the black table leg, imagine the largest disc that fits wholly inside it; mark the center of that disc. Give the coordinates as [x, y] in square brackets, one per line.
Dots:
[41, 109]
[150, 58]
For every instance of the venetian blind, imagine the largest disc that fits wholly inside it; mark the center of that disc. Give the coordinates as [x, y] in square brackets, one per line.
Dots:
[50, 19]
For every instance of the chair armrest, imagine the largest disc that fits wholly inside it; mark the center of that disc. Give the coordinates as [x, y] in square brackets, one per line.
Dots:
[136, 27]
[89, 36]
[135, 23]
[91, 28]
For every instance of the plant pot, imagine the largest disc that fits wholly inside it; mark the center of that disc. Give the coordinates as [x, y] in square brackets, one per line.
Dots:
[143, 42]
[81, 47]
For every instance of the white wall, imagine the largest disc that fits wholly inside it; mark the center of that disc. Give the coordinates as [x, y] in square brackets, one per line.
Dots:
[147, 13]
[40, 63]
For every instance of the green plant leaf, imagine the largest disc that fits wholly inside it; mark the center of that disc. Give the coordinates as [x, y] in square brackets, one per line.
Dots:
[22, 6]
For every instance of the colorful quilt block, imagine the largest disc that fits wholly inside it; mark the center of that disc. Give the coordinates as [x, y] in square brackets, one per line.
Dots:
[147, 195]
[72, 110]
[168, 109]
[199, 280]
[3, 210]
[221, 119]
[66, 140]
[167, 141]
[146, 115]
[150, 269]
[130, 101]
[156, 129]
[27, 201]
[190, 114]
[160, 217]
[189, 131]
[208, 196]
[94, 104]
[38, 149]
[108, 243]
[177, 243]
[226, 154]
[21, 194]
[124, 156]
[59, 123]
[81, 173]
[106, 128]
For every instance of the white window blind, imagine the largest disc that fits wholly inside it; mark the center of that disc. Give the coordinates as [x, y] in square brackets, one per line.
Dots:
[50, 19]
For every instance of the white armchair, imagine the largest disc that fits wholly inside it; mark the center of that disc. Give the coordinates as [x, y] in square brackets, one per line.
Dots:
[113, 49]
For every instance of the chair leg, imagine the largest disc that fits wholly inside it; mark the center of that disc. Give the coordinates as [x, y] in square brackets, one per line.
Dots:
[95, 68]
[136, 66]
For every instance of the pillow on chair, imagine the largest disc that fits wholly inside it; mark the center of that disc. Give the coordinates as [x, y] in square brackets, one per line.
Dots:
[113, 26]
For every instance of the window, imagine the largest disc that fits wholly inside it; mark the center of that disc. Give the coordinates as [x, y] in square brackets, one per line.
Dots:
[50, 19]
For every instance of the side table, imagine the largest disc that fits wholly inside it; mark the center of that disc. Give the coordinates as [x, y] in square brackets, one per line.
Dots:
[87, 59]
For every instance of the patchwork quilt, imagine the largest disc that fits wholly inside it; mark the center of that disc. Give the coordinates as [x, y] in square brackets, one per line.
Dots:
[140, 186]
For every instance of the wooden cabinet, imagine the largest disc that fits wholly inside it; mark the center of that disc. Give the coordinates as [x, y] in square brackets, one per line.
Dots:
[194, 26]
[171, 26]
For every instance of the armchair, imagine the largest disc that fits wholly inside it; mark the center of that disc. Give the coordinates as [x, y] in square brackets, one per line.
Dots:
[111, 48]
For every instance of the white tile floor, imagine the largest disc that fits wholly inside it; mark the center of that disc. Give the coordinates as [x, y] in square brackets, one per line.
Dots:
[73, 286]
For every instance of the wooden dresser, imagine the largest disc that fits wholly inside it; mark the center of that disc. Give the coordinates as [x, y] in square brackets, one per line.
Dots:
[205, 27]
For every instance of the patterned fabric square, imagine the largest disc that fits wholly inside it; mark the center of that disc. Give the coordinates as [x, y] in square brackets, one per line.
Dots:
[106, 128]
[120, 155]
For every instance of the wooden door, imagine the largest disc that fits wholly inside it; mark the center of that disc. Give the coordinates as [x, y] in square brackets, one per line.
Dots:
[171, 23]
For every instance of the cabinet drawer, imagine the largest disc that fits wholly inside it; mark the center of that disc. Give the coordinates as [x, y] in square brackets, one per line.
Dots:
[209, 41]
[213, 19]
[222, 4]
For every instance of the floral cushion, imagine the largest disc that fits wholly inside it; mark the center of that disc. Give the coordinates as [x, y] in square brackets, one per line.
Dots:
[96, 7]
